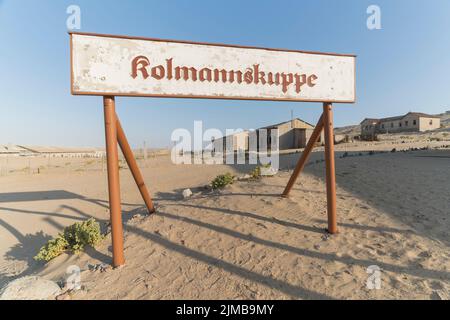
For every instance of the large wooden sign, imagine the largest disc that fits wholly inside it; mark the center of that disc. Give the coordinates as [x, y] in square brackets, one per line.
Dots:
[130, 66]
[112, 66]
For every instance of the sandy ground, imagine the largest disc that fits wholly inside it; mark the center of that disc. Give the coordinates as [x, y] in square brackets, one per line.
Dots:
[34, 207]
[246, 241]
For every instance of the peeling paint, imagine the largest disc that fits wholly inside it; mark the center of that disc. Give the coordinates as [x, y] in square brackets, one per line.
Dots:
[102, 65]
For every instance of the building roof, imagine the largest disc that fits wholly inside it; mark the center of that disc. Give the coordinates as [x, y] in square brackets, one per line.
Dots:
[9, 149]
[418, 114]
[273, 126]
[370, 119]
[392, 118]
[285, 122]
[231, 135]
[424, 115]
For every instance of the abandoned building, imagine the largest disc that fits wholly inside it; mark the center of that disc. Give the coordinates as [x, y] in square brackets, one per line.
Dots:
[412, 121]
[292, 134]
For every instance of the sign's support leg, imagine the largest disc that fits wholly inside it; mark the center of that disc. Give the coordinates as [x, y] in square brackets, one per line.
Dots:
[112, 156]
[132, 164]
[330, 168]
[304, 157]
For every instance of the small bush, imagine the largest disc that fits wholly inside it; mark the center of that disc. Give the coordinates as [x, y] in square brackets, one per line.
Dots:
[256, 173]
[73, 238]
[83, 233]
[222, 180]
[52, 249]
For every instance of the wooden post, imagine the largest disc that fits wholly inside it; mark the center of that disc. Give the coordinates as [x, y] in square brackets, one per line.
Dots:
[304, 157]
[132, 164]
[330, 168]
[112, 158]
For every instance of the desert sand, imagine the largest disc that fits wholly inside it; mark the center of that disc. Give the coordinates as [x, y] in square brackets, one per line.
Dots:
[246, 242]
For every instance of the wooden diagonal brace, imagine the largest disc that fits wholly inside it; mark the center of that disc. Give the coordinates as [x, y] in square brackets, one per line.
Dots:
[132, 164]
[304, 157]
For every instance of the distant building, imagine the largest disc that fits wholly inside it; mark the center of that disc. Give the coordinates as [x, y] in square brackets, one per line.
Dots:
[9, 150]
[293, 134]
[238, 141]
[412, 121]
[62, 152]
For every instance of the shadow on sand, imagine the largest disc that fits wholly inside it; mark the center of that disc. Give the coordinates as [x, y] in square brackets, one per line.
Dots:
[374, 189]
[31, 243]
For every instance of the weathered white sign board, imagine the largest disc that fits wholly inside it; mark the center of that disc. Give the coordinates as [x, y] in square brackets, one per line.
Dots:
[127, 66]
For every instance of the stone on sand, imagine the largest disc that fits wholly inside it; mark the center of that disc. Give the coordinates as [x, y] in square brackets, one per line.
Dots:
[268, 171]
[187, 193]
[30, 288]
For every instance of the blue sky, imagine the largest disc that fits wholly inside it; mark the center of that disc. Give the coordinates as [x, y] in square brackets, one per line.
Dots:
[403, 67]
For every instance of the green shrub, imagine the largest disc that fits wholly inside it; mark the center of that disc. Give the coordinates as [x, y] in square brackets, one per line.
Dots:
[222, 180]
[52, 249]
[73, 238]
[83, 233]
[256, 173]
